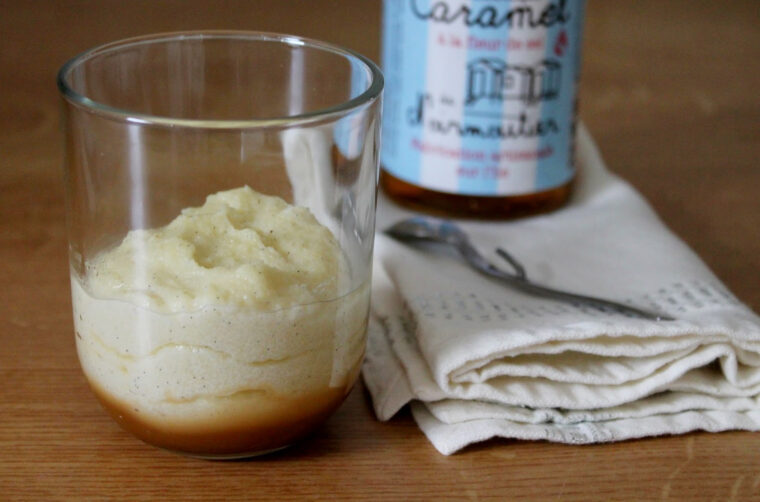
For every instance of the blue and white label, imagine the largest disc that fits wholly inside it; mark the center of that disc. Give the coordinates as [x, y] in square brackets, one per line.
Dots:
[480, 94]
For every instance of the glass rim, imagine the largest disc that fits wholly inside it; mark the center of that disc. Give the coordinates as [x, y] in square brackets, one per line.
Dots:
[369, 95]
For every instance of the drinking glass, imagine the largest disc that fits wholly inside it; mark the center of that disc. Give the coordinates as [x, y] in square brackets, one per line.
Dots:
[220, 210]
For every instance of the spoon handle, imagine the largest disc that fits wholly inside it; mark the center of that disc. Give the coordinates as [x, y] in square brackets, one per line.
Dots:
[521, 282]
[555, 294]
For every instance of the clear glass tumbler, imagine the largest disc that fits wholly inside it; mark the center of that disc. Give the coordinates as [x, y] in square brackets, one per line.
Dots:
[220, 209]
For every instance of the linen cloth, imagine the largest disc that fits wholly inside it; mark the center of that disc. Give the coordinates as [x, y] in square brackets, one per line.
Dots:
[478, 360]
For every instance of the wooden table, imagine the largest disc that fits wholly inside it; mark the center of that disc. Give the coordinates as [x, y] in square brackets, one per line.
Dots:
[670, 91]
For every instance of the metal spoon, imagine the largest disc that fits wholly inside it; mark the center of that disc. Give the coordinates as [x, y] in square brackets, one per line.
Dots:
[445, 232]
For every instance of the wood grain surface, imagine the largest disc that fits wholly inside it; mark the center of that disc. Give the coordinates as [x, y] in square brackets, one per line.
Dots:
[670, 92]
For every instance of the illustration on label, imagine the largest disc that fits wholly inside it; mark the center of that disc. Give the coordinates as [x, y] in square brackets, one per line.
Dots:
[496, 80]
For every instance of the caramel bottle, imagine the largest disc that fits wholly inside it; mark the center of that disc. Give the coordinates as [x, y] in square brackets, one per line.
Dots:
[480, 104]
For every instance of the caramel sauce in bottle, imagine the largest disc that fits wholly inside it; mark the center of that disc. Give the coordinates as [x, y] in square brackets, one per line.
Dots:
[464, 206]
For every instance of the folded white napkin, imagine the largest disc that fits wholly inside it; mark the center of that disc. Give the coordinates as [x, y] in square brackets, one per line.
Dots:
[478, 360]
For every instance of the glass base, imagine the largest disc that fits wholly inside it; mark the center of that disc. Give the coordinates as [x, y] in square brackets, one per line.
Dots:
[230, 456]
[243, 440]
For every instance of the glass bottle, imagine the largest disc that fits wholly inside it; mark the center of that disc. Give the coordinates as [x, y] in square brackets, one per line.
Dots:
[480, 108]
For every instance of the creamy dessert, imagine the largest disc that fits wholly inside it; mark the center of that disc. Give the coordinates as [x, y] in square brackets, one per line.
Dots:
[225, 332]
